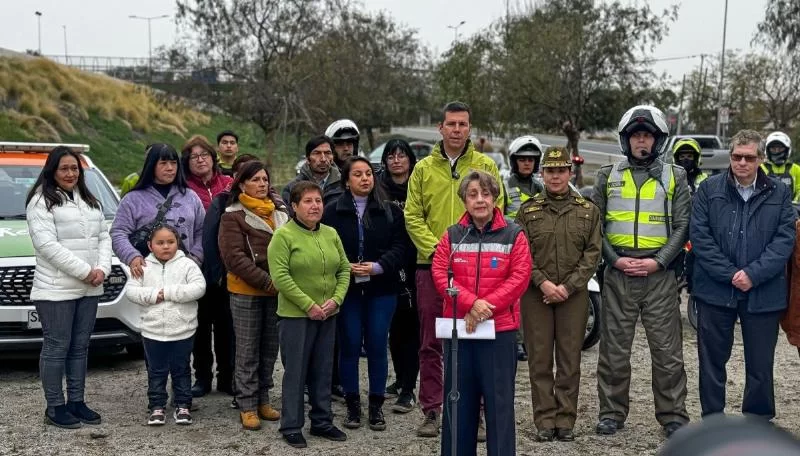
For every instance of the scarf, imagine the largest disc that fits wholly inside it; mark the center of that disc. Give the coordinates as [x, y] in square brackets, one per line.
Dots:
[261, 207]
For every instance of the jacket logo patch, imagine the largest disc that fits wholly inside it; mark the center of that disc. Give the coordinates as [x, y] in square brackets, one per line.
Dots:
[459, 260]
[493, 263]
[617, 184]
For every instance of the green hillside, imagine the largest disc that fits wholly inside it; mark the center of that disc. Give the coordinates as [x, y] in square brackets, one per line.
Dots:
[46, 102]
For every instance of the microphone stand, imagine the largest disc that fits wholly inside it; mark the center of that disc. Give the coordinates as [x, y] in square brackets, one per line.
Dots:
[454, 395]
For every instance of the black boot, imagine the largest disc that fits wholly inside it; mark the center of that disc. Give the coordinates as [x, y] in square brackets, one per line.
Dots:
[60, 416]
[376, 421]
[353, 418]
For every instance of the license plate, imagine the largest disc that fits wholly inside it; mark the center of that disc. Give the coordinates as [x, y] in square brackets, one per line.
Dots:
[33, 320]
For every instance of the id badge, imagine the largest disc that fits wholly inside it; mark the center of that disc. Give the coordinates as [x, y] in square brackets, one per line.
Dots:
[362, 279]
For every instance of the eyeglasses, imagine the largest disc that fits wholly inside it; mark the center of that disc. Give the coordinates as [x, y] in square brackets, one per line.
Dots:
[397, 157]
[200, 156]
[736, 158]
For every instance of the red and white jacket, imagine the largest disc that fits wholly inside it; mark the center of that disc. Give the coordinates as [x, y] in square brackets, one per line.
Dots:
[494, 265]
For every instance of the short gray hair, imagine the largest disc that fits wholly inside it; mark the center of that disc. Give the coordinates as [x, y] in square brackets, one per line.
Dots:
[745, 137]
[485, 180]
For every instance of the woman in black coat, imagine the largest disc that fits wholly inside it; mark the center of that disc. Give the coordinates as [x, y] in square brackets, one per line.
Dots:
[375, 240]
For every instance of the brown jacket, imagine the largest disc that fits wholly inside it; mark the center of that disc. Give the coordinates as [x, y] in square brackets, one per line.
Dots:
[566, 244]
[791, 320]
[243, 241]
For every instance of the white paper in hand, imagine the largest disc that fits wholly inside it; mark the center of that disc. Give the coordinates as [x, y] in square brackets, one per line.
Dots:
[444, 329]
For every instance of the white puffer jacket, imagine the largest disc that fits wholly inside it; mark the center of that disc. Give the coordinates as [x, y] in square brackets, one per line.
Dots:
[174, 318]
[70, 240]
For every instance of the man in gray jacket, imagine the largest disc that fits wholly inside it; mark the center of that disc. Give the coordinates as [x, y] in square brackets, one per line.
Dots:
[645, 206]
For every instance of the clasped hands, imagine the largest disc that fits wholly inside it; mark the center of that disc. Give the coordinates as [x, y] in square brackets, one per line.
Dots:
[95, 277]
[361, 269]
[481, 311]
[553, 293]
[322, 312]
[637, 267]
[741, 281]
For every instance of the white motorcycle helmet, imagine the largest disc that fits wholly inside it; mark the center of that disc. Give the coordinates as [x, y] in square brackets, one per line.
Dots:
[643, 117]
[525, 146]
[783, 139]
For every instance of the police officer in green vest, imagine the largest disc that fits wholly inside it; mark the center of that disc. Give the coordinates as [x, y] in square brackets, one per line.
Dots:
[777, 165]
[645, 206]
[686, 154]
[525, 154]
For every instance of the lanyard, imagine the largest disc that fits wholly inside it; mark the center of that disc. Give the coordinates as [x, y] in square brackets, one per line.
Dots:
[360, 233]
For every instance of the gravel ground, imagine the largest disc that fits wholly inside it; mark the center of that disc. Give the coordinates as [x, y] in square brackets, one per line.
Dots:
[117, 385]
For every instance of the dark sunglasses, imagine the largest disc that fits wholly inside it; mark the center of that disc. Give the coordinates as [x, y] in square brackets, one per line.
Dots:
[736, 158]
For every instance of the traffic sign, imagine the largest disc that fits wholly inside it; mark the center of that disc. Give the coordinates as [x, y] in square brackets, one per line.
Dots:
[724, 115]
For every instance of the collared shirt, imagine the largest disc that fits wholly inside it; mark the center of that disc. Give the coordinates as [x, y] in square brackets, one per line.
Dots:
[324, 181]
[746, 191]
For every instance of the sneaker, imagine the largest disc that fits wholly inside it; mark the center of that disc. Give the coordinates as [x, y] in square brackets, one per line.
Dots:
[80, 411]
[608, 426]
[405, 403]
[481, 429]
[266, 412]
[59, 416]
[430, 426]
[158, 417]
[234, 404]
[392, 390]
[522, 354]
[295, 440]
[182, 416]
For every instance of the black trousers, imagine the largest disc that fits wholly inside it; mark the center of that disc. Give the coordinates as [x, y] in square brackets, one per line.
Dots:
[404, 343]
[714, 342]
[214, 318]
[486, 370]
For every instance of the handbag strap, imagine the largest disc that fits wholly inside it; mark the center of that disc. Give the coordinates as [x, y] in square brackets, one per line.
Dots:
[162, 211]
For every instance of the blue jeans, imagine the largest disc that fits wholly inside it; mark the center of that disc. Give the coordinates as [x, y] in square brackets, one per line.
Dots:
[366, 318]
[165, 359]
[66, 329]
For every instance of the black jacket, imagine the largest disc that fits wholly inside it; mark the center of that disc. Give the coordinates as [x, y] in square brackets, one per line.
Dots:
[385, 240]
[729, 234]
[213, 269]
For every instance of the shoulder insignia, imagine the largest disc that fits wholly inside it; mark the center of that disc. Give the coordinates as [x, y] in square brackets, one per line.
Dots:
[533, 209]
[580, 200]
[586, 205]
[539, 197]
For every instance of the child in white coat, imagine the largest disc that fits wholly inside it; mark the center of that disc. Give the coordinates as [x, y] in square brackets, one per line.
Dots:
[168, 292]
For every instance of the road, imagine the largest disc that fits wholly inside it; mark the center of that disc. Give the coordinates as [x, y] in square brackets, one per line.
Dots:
[596, 153]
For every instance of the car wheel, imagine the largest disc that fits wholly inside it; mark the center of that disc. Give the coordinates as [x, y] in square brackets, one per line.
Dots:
[592, 335]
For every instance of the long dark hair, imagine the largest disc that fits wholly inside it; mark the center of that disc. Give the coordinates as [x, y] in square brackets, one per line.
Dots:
[156, 152]
[246, 171]
[52, 194]
[377, 193]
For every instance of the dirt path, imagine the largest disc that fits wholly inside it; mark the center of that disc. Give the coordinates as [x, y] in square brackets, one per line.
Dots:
[116, 388]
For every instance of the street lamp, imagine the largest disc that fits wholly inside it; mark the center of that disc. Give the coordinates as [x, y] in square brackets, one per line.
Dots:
[39, 21]
[722, 68]
[455, 30]
[149, 19]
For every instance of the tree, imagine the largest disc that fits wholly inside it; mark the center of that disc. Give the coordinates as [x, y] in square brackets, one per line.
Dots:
[369, 69]
[557, 63]
[781, 24]
[256, 43]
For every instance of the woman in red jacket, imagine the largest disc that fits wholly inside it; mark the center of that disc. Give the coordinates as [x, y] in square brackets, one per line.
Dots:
[491, 265]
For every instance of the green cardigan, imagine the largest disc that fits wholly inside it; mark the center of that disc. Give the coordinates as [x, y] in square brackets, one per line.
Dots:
[307, 267]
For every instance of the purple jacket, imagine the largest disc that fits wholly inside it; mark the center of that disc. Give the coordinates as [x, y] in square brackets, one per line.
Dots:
[138, 208]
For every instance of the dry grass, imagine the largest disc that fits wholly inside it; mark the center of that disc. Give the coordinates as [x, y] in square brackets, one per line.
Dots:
[47, 98]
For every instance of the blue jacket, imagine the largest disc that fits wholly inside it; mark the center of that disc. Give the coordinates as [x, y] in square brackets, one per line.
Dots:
[729, 234]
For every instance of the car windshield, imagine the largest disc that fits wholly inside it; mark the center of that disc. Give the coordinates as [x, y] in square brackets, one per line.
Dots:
[15, 181]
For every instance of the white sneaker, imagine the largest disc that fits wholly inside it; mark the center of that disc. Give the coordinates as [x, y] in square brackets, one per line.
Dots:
[182, 416]
[158, 417]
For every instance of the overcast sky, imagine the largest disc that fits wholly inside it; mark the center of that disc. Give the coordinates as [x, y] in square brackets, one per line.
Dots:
[102, 27]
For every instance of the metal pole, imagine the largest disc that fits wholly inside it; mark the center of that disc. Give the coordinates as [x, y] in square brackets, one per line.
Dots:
[66, 54]
[722, 66]
[149, 50]
[39, 25]
[680, 106]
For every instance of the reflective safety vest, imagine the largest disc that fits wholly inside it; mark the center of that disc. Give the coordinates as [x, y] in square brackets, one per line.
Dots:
[785, 176]
[638, 218]
[515, 199]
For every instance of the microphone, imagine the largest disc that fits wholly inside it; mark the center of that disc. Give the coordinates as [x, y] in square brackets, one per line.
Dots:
[452, 291]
